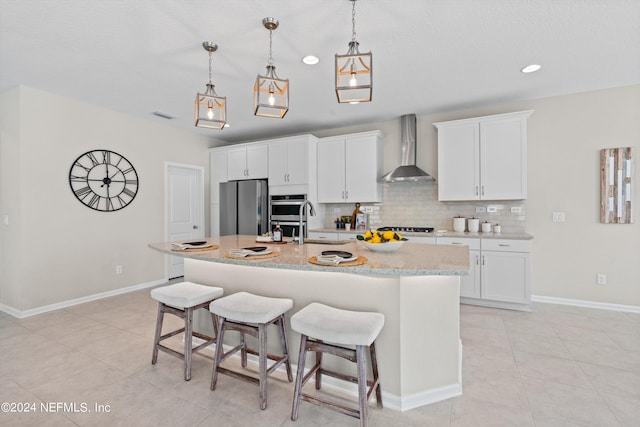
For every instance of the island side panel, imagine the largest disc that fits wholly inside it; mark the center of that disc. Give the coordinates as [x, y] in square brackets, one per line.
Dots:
[430, 336]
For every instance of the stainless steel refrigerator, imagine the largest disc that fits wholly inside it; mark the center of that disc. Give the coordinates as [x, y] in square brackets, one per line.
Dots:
[244, 207]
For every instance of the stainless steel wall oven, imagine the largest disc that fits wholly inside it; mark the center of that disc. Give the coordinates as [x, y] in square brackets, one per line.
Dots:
[285, 210]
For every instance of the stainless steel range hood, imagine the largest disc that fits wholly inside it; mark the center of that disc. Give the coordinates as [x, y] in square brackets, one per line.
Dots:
[407, 171]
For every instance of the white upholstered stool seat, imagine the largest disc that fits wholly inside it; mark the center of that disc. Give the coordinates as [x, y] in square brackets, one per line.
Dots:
[250, 308]
[251, 314]
[326, 329]
[337, 326]
[181, 300]
[186, 294]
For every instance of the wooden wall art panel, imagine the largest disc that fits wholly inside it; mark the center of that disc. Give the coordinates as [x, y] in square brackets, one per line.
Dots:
[616, 185]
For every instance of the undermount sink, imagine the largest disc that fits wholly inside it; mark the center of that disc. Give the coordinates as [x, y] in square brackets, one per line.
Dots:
[326, 241]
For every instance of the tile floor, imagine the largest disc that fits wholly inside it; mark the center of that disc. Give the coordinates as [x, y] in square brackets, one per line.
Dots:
[556, 366]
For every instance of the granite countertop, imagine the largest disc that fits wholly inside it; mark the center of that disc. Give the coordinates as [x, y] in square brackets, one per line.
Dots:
[448, 233]
[411, 259]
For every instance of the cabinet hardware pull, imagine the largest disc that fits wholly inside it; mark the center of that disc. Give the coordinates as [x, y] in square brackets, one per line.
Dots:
[477, 260]
[343, 195]
[483, 190]
[476, 190]
[502, 244]
[456, 243]
[482, 259]
[346, 195]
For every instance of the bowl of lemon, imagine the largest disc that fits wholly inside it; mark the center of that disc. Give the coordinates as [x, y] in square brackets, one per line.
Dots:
[381, 241]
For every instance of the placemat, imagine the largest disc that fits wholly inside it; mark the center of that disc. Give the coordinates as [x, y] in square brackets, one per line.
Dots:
[359, 261]
[208, 248]
[255, 257]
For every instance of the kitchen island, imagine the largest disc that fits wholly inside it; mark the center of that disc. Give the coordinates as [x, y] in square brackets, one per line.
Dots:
[416, 288]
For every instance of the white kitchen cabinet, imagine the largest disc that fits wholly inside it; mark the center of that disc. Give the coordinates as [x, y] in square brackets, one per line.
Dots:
[483, 158]
[506, 271]
[469, 285]
[289, 160]
[247, 162]
[349, 167]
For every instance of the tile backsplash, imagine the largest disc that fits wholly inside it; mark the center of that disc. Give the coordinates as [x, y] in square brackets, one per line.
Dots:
[416, 204]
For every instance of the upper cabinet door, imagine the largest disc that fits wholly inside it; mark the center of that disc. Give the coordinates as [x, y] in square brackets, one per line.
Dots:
[503, 145]
[298, 162]
[248, 162]
[363, 168]
[237, 164]
[331, 164]
[278, 170]
[459, 162]
[289, 161]
[257, 161]
[483, 158]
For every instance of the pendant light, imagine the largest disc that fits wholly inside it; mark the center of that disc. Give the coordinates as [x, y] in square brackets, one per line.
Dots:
[354, 70]
[270, 93]
[210, 109]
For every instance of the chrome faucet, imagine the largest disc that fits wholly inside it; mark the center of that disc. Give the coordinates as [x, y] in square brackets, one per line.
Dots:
[312, 212]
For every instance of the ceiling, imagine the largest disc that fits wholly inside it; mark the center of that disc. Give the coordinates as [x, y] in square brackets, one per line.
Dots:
[429, 56]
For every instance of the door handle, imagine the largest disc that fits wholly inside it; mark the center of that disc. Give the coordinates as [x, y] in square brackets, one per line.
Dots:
[195, 227]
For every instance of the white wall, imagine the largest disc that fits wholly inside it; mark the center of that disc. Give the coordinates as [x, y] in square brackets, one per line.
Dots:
[61, 249]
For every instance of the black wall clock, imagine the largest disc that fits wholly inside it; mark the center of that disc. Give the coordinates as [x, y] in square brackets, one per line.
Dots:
[103, 180]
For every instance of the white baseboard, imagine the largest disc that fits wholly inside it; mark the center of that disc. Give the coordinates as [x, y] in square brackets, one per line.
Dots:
[585, 303]
[64, 304]
[390, 401]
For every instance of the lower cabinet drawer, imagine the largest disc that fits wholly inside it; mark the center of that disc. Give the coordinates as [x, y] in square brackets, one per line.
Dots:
[506, 245]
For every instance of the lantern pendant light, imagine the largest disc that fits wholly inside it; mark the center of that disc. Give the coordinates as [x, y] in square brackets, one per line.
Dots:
[354, 70]
[270, 93]
[210, 109]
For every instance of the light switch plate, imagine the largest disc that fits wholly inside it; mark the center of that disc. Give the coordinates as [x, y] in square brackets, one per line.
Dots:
[481, 209]
[492, 209]
[516, 209]
[558, 217]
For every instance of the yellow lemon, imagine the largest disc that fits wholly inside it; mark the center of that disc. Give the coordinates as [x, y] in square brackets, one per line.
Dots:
[388, 235]
[376, 238]
[368, 235]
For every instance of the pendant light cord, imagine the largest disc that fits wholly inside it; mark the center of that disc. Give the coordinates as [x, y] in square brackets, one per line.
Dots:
[270, 47]
[353, 20]
[210, 55]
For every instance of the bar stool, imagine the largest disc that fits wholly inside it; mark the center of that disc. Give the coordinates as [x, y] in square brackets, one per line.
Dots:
[182, 299]
[318, 323]
[251, 314]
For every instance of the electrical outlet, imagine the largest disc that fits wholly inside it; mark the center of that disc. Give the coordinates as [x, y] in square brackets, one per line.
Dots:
[368, 209]
[492, 209]
[516, 209]
[601, 279]
[481, 209]
[118, 269]
[558, 217]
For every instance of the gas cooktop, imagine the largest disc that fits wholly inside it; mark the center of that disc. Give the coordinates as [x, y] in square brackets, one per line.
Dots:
[408, 229]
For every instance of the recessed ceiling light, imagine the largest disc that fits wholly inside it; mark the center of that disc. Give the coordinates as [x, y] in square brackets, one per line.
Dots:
[531, 68]
[310, 60]
[227, 125]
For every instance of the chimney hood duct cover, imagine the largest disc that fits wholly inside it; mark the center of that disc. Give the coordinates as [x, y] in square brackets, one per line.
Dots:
[407, 171]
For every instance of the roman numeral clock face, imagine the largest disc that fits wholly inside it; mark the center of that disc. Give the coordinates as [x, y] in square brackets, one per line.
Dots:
[103, 180]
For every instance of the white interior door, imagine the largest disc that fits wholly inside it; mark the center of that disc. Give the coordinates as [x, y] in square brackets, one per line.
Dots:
[185, 209]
